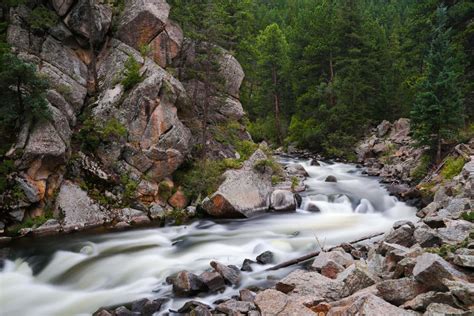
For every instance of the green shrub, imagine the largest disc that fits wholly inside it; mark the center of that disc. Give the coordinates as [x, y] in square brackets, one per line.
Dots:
[131, 73]
[466, 134]
[452, 167]
[446, 249]
[227, 133]
[294, 183]
[263, 129]
[262, 165]
[165, 190]
[130, 187]
[200, 178]
[93, 133]
[41, 18]
[6, 167]
[276, 179]
[178, 216]
[113, 130]
[421, 170]
[145, 50]
[468, 216]
[232, 163]
[387, 156]
[34, 222]
[245, 148]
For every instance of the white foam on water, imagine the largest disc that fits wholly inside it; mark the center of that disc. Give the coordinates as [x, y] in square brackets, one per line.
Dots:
[121, 267]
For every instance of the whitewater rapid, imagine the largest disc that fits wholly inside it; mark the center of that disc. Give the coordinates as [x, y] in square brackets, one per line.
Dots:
[75, 275]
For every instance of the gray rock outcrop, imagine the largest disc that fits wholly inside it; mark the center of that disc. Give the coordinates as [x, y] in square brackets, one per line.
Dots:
[244, 192]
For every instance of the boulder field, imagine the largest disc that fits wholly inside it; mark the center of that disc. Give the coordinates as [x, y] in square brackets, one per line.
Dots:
[423, 267]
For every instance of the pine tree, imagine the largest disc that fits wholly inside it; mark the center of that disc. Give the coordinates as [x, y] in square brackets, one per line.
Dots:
[437, 113]
[22, 96]
[272, 51]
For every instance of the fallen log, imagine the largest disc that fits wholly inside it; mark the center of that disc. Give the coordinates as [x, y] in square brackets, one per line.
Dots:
[315, 253]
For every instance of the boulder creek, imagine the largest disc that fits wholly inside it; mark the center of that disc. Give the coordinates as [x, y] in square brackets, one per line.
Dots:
[77, 274]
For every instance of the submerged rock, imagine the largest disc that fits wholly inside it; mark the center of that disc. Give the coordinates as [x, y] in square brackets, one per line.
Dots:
[230, 274]
[213, 280]
[265, 257]
[330, 179]
[187, 284]
[283, 200]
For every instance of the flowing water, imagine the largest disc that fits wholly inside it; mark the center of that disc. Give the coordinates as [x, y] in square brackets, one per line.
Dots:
[75, 275]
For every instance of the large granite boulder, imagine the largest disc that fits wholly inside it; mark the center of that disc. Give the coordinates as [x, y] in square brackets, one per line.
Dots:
[283, 200]
[272, 302]
[77, 208]
[368, 305]
[80, 21]
[432, 270]
[399, 291]
[62, 6]
[232, 73]
[167, 45]
[310, 286]
[111, 65]
[65, 59]
[244, 192]
[72, 91]
[142, 21]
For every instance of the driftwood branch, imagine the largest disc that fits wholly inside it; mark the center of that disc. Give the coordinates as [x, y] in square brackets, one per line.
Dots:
[315, 253]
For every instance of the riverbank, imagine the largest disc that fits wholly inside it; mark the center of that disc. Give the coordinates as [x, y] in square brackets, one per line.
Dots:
[422, 266]
[108, 269]
[416, 268]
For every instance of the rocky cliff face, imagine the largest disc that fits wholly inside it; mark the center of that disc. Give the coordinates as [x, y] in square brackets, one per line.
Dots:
[135, 137]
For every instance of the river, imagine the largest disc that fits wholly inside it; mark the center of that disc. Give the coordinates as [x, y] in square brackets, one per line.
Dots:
[77, 274]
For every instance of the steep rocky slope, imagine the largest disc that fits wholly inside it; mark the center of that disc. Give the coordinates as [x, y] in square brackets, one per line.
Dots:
[108, 151]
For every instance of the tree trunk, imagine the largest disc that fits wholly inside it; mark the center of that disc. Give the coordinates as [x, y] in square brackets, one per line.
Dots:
[93, 65]
[438, 151]
[207, 93]
[332, 99]
[276, 100]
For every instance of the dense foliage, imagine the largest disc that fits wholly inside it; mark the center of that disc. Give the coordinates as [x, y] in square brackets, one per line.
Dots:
[437, 112]
[343, 66]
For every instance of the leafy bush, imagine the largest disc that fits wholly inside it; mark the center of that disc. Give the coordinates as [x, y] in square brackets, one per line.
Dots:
[294, 183]
[466, 134]
[33, 222]
[131, 73]
[92, 133]
[468, 216]
[6, 167]
[262, 165]
[227, 133]
[420, 171]
[245, 148]
[130, 187]
[165, 190]
[452, 167]
[446, 249]
[200, 178]
[41, 19]
[263, 129]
